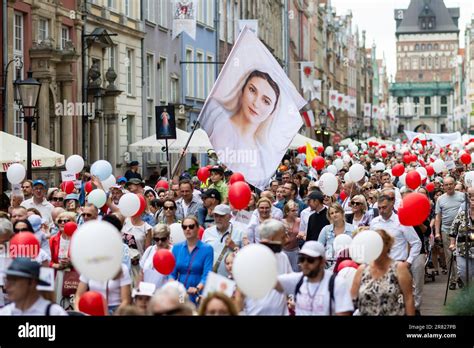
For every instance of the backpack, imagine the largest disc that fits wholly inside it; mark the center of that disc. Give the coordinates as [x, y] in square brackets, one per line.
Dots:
[330, 288]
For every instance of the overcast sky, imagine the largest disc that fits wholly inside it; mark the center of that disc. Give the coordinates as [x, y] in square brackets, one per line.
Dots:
[376, 17]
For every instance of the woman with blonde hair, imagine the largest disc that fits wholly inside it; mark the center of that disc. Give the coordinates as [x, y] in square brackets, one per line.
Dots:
[217, 304]
[384, 287]
[264, 207]
[338, 226]
[291, 221]
[360, 215]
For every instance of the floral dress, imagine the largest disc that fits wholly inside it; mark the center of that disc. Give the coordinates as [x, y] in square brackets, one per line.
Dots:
[381, 296]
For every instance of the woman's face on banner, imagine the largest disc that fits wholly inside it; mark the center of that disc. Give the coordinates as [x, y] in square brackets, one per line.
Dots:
[258, 100]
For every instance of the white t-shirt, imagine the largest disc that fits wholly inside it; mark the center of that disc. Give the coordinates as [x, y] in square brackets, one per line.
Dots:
[317, 301]
[139, 232]
[38, 308]
[150, 274]
[42, 257]
[63, 247]
[110, 289]
[274, 303]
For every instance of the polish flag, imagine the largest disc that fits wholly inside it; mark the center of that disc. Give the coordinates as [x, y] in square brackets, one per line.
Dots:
[308, 117]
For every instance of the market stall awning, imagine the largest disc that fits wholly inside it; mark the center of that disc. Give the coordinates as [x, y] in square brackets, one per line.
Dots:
[301, 140]
[13, 150]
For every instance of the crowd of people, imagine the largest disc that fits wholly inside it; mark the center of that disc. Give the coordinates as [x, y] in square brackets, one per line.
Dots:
[292, 216]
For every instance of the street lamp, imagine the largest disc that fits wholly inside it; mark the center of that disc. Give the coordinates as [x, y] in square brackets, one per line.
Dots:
[321, 134]
[27, 95]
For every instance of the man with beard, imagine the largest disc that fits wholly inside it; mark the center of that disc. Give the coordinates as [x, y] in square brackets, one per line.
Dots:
[316, 291]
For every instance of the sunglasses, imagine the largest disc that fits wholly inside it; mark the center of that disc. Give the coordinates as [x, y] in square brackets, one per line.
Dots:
[356, 203]
[58, 199]
[164, 239]
[191, 227]
[63, 221]
[24, 229]
[309, 259]
[168, 208]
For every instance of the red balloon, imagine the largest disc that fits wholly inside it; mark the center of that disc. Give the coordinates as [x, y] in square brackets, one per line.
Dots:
[236, 177]
[24, 244]
[398, 170]
[423, 143]
[414, 209]
[423, 164]
[320, 149]
[413, 179]
[93, 303]
[302, 149]
[430, 187]
[162, 184]
[239, 195]
[318, 163]
[429, 170]
[366, 152]
[70, 228]
[338, 153]
[347, 263]
[142, 206]
[88, 187]
[421, 152]
[203, 174]
[67, 186]
[164, 261]
[466, 158]
[384, 154]
[104, 209]
[201, 232]
[406, 153]
[414, 158]
[343, 196]
[407, 159]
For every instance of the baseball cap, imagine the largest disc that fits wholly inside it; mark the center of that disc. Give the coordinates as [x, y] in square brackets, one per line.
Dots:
[313, 249]
[121, 179]
[25, 268]
[35, 221]
[72, 196]
[134, 163]
[218, 169]
[39, 182]
[211, 193]
[144, 289]
[316, 195]
[118, 187]
[135, 181]
[222, 209]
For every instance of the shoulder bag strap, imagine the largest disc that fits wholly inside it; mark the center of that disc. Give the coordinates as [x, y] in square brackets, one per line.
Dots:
[223, 252]
[189, 266]
[332, 281]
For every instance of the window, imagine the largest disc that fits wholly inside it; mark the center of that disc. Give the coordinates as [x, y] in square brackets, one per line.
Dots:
[163, 14]
[210, 73]
[43, 30]
[443, 62]
[436, 62]
[406, 64]
[422, 62]
[416, 101]
[427, 106]
[111, 4]
[18, 53]
[423, 47]
[129, 63]
[150, 10]
[189, 73]
[430, 47]
[417, 47]
[444, 105]
[414, 63]
[436, 47]
[429, 62]
[210, 13]
[127, 8]
[163, 80]
[19, 129]
[130, 129]
[64, 36]
[400, 105]
[174, 90]
[405, 48]
[200, 75]
[201, 11]
[113, 58]
[149, 77]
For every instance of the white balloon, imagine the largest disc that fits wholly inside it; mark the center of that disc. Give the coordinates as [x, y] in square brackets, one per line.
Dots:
[328, 184]
[402, 179]
[108, 183]
[366, 247]
[74, 164]
[379, 166]
[469, 179]
[348, 178]
[353, 147]
[438, 165]
[363, 146]
[341, 242]
[16, 173]
[423, 172]
[357, 172]
[346, 158]
[177, 233]
[97, 250]
[329, 151]
[332, 169]
[129, 204]
[339, 163]
[102, 169]
[97, 197]
[348, 274]
[341, 148]
[255, 270]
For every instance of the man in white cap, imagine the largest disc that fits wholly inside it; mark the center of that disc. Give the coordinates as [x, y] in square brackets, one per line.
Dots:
[316, 291]
[224, 237]
[143, 294]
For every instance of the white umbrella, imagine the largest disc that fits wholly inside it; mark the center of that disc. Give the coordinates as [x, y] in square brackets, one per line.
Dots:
[301, 140]
[13, 150]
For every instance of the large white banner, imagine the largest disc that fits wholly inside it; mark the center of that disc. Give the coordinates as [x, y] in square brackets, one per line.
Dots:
[184, 17]
[252, 112]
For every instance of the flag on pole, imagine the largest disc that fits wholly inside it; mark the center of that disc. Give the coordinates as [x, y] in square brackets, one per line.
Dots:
[367, 108]
[307, 76]
[333, 98]
[317, 89]
[308, 117]
[331, 116]
[184, 17]
[310, 154]
[340, 100]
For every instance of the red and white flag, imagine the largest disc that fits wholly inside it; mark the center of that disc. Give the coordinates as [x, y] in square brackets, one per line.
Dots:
[333, 98]
[331, 116]
[340, 101]
[308, 117]
[367, 108]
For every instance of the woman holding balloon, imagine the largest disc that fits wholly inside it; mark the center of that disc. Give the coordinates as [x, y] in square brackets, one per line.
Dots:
[384, 287]
[194, 259]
